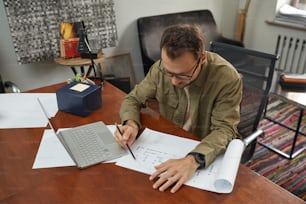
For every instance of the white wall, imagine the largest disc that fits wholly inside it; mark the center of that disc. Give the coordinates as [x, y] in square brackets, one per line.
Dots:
[127, 13]
[228, 15]
[36, 75]
[259, 35]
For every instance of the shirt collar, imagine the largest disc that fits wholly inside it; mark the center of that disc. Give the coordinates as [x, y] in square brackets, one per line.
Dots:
[198, 82]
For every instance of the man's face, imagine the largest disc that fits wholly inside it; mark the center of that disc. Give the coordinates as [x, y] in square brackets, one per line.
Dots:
[182, 70]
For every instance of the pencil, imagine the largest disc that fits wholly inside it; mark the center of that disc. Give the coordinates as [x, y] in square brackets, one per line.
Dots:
[126, 144]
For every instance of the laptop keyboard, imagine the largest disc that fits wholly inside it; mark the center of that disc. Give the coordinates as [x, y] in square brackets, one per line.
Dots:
[86, 146]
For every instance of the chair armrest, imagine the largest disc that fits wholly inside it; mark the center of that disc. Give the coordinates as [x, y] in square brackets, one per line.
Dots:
[252, 137]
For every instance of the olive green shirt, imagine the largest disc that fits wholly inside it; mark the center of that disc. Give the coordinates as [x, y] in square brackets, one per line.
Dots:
[214, 106]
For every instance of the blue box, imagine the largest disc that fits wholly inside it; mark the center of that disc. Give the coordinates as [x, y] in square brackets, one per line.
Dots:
[79, 98]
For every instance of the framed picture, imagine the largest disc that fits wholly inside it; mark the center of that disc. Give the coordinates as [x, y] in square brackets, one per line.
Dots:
[118, 70]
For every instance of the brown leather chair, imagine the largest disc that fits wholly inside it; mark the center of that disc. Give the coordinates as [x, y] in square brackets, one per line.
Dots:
[150, 30]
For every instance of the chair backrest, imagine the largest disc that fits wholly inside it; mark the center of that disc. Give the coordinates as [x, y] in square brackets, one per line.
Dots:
[151, 28]
[257, 70]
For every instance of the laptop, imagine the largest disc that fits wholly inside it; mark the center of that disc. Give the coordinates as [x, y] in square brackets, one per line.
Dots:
[88, 144]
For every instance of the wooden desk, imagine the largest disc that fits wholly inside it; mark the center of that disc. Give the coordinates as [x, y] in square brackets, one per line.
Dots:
[82, 62]
[108, 183]
[296, 98]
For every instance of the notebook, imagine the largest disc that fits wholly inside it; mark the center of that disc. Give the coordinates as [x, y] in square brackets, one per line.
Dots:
[88, 144]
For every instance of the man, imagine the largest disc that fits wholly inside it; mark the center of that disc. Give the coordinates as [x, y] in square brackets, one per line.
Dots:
[195, 89]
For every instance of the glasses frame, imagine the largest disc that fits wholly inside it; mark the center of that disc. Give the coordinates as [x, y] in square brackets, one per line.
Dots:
[179, 76]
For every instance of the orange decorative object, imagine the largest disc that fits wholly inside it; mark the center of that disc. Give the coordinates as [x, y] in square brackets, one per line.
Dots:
[69, 48]
[66, 30]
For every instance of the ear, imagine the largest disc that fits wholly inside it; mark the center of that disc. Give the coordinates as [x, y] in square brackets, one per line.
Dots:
[203, 57]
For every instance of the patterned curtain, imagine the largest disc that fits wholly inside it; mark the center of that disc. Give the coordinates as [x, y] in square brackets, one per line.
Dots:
[34, 25]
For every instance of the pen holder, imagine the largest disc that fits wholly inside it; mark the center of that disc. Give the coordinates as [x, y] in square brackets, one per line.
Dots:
[79, 98]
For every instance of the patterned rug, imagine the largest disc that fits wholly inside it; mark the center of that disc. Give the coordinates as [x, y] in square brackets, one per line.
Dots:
[289, 174]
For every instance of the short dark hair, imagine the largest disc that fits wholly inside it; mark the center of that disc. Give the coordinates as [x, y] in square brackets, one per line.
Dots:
[178, 39]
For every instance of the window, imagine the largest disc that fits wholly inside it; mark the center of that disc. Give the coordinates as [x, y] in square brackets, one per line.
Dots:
[299, 4]
[291, 11]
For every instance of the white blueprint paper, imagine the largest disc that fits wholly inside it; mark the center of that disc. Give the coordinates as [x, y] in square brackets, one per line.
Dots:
[153, 148]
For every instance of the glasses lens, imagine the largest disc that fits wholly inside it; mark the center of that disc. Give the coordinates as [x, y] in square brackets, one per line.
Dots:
[169, 74]
[178, 76]
[182, 77]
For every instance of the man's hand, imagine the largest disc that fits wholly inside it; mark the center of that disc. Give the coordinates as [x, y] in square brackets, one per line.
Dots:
[129, 132]
[174, 171]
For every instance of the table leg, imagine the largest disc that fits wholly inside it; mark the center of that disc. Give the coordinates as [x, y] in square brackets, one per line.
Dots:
[297, 131]
[291, 155]
[89, 70]
[100, 73]
[74, 70]
[82, 70]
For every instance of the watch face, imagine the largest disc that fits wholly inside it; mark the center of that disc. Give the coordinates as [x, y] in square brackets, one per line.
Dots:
[200, 158]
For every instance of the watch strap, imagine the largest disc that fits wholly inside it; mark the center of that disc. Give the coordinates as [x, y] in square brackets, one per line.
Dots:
[199, 158]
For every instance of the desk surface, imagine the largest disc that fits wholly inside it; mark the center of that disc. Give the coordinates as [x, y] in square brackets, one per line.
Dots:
[108, 183]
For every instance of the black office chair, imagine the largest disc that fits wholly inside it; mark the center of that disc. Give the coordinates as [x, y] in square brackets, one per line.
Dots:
[8, 86]
[151, 28]
[256, 69]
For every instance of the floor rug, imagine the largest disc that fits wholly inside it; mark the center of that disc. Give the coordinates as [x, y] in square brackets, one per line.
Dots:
[289, 174]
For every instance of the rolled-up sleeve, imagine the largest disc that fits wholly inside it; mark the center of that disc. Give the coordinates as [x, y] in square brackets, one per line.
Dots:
[224, 120]
[136, 99]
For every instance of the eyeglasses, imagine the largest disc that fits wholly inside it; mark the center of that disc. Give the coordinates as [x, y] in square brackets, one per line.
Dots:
[178, 76]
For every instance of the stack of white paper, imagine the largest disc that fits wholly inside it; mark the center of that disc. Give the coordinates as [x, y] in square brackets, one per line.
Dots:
[22, 110]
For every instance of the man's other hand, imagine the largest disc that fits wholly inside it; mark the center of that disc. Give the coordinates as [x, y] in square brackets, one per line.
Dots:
[174, 172]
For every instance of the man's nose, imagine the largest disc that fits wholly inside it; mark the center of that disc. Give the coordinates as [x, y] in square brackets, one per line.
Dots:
[175, 81]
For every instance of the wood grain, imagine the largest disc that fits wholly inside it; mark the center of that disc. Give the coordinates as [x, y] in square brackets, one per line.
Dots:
[108, 183]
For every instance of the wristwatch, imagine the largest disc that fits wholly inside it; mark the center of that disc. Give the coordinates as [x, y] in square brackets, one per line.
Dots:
[199, 158]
